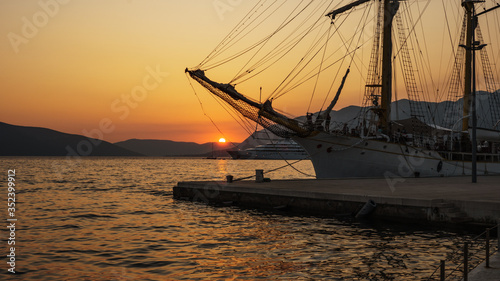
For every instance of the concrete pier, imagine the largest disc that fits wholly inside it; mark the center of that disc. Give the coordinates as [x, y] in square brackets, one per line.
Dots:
[481, 273]
[453, 200]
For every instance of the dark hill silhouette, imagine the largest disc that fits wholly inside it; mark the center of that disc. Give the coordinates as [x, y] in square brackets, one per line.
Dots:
[36, 141]
[162, 148]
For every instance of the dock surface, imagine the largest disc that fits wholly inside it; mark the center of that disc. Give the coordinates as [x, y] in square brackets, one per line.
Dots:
[453, 199]
[481, 273]
[487, 189]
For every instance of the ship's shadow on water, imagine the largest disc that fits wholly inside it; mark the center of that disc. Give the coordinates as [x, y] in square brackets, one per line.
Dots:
[128, 227]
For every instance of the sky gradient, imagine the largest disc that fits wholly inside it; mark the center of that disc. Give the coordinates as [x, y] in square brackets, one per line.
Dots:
[67, 65]
[116, 67]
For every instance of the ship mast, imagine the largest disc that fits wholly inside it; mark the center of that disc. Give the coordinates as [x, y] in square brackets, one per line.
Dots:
[390, 9]
[470, 75]
[470, 47]
[469, 7]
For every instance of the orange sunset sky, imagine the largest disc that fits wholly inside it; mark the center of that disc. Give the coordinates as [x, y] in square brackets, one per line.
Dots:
[68, 65]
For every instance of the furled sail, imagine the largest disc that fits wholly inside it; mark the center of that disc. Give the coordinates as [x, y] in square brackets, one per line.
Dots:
[261, 113]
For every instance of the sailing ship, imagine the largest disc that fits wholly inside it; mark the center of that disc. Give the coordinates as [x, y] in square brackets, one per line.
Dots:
[376, 143]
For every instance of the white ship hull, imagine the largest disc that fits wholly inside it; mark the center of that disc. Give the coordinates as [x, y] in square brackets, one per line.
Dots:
[346, 157]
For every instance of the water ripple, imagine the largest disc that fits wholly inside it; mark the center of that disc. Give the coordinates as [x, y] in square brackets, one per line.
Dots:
[114, 219]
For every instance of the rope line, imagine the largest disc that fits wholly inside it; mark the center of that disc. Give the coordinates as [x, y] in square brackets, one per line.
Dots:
[204, 112]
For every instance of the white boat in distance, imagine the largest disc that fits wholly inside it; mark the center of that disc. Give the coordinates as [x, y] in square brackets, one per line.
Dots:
[279, 150]
[373, 144]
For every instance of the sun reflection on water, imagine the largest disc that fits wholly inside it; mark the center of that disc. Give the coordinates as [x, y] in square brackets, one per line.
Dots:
[114, 219]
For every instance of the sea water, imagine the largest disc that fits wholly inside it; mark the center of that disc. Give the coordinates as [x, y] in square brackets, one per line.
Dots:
[115, 219]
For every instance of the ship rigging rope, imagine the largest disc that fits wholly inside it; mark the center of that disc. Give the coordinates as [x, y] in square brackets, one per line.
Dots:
[495, 57]
[242, 122]
[361, 29]
[425, 63]
[281, 52]
[446, 29]
[255, 45]
[265, 41]
[238, 54]
[453, 43]
[489, 36]
[311, 74]
[277, 93]
[234, 33]
[276, 169]
[244, 51]
[204, 112]
[287, 44]
[288, 163]
[412, 30]
[411, 70]
[325, 48]
[407, 61]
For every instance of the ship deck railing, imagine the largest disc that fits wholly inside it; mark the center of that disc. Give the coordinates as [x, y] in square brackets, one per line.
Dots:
[467, 156]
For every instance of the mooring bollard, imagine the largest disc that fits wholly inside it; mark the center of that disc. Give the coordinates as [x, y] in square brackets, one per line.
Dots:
[442, 275]
[259, 175]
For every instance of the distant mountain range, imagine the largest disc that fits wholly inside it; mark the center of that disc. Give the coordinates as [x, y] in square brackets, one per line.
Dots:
[36, 141]
[161, 148]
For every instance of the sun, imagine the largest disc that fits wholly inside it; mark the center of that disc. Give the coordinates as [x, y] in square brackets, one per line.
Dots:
[222, 140]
